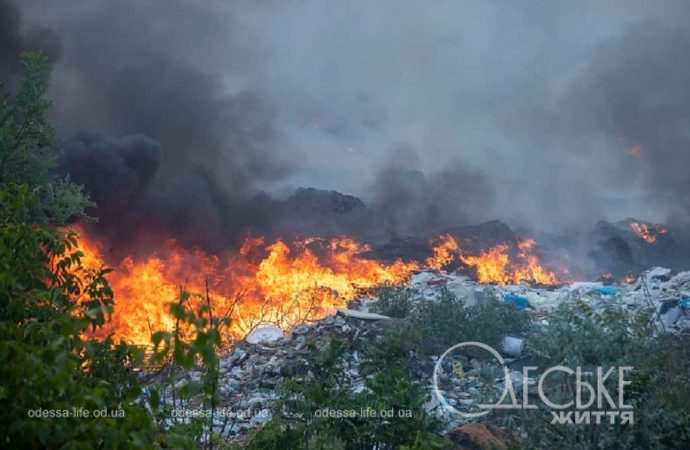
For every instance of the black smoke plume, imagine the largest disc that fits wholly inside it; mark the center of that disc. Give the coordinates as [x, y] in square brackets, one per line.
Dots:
[549, 115]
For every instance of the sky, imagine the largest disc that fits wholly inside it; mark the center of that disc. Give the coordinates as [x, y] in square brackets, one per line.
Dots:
[547, 114]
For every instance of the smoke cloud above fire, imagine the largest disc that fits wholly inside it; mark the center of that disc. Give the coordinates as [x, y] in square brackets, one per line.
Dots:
[176, 114]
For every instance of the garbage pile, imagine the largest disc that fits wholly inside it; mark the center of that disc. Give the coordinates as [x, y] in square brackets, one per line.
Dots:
[659, 288]
[254, 368]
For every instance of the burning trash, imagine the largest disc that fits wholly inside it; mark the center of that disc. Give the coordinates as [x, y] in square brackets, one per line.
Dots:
[648, 233]
[281, 283]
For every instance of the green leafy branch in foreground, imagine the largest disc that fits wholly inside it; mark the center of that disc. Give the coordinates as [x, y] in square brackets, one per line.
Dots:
[196, 339]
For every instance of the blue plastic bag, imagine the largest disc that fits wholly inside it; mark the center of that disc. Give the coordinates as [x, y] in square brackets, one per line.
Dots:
[518, 301]
[684, 302]
[608, 291]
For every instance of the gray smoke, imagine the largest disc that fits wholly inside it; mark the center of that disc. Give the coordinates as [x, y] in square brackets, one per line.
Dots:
[550, 115]
[16, 38]
[413, 203]
[635, 93]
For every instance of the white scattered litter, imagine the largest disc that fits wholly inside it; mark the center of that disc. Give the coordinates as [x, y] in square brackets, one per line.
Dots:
[264, 334]
[361, 314]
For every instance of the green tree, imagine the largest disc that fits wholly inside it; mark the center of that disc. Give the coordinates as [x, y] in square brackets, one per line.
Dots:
[50, 375]
[28, 155]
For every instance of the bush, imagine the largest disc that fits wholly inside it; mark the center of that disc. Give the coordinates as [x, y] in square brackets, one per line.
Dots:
[394, 301]
[50, 374]
[446, 321]
[577, 335]
[48, 302]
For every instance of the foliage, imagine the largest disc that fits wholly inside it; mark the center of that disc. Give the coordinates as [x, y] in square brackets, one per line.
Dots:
[51, 376]
[394, 301]
[578, 335]
[447, 321]
[28, 156]
[47, 301]
[200, 344]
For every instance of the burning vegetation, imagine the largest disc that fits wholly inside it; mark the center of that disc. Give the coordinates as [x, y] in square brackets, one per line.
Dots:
[280, 282]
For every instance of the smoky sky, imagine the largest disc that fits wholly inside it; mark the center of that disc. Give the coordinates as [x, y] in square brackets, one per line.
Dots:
[15, 39]
[547, 114]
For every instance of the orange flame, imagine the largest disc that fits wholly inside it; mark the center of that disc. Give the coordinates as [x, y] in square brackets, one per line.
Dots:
[646, 232]
[496, 265]
[444, 252]
[277, 283]
[629, 279]
[280, 283]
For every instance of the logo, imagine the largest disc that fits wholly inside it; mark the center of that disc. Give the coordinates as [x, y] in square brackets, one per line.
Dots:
[592, 399]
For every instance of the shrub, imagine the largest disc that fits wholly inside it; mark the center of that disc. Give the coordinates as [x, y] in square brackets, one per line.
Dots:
[577, 335]
[446, 321]
[394, 301]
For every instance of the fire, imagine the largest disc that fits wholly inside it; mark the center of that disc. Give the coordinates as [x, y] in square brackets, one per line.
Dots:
[646, 232]
[496, 265]
[282, 283]
[629, 279]
[444, 252]
[263, 283]
[606, 277]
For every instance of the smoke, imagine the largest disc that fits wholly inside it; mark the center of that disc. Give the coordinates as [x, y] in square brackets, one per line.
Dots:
[635, 94]
[14, 39]
[104, 163]
[550, 115]
[412, 203]
[171, 149]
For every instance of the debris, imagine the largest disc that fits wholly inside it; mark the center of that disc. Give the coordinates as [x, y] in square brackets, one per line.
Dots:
[300, 329]
[457, 286]
[670, 316]
[608, 291]
[684, 302]
[251, 371]
[264, 334]
[513, 346]
[361, 315]
[238, 355]
[659, 273]
[261, 417]
[518, 301]
[423, 279]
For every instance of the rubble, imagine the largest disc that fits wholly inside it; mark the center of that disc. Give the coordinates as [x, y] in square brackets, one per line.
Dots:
[513, 346]
[251, 371]
[361, 314]
[264, 334]
[520, 302]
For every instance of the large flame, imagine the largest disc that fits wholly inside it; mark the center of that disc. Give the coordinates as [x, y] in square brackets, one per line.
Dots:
[283, 283]
[262, 283]
[646, 232]
[497, 265]
[445, 250]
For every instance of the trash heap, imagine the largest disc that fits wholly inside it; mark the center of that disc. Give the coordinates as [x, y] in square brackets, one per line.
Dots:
[252, 370]
[658, 287]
